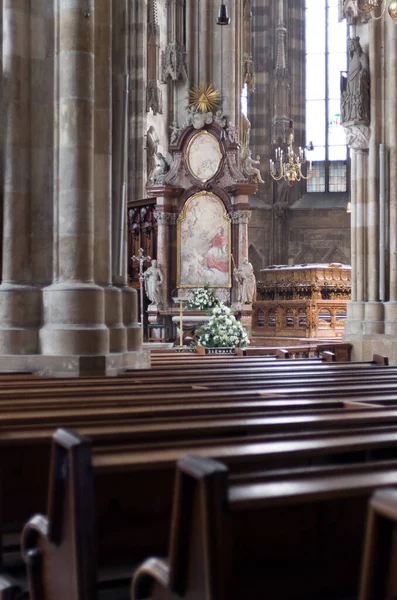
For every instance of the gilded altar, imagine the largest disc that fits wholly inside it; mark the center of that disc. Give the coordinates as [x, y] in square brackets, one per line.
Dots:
[305, 301]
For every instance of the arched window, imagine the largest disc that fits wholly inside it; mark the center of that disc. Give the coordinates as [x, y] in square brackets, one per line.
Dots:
[326, 57]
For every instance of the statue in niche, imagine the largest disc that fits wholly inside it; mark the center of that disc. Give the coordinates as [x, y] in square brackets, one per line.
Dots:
[245, 134]
[153, 279]
[152, 145]
[281, 206]
[249, 169]
[154, 98]
[246, 282]
[174, 132]
[355, 86]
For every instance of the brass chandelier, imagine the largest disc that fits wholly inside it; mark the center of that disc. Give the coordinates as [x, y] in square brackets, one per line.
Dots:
[289, 166]
[369, 6]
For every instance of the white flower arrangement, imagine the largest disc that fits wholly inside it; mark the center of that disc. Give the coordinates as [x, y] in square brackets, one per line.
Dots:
[202, 299]
[222, 330]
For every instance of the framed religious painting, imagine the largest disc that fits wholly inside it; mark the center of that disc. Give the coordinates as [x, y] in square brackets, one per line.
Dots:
[204, 244]
[203, 156]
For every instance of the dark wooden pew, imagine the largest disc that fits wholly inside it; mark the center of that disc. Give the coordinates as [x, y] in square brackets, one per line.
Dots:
[378, 574]
[132, 517]
[299, 538]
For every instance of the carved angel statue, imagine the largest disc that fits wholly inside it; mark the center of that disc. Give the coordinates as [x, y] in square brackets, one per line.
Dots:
[249, 169]
[163, 165]
[174, 132]
[200, 119]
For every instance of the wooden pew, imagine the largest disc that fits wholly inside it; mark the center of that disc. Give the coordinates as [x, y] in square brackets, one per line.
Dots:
[378, 578]
[126, 483]
[297, 538]
[60, 548]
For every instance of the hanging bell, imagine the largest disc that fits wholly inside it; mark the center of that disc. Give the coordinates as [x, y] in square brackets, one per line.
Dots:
[222, 19]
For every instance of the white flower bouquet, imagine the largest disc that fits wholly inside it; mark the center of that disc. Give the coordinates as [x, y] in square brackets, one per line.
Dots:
[222, 330]
[202, 299]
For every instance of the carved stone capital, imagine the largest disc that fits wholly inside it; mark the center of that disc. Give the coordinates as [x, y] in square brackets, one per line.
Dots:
[173, 62]
[357, 136]
[165, 218]
[240, 217]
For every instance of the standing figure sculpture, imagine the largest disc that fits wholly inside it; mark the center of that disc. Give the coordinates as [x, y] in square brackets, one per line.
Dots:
[153, 280]
[246, 282]
[355, 101]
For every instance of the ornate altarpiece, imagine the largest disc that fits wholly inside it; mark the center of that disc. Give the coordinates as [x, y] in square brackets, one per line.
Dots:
[202, 212]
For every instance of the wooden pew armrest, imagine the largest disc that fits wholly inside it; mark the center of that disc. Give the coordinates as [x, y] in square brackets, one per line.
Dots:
[153, 573]
[10, 588]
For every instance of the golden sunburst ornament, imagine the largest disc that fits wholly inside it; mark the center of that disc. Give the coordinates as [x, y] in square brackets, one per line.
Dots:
[204, 97]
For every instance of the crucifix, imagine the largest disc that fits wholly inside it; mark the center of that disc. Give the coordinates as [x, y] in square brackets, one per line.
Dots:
[141, 259]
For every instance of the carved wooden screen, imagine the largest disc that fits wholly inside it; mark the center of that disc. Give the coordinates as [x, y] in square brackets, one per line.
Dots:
[142, 233]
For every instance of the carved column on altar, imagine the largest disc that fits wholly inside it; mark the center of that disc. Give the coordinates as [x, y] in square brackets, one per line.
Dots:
[165, 235]
[240, 220]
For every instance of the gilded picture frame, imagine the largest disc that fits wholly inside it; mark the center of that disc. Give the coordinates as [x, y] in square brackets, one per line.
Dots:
[203, 156]
[204, 243]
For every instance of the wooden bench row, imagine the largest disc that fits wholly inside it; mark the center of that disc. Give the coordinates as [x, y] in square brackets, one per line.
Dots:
[230, 535]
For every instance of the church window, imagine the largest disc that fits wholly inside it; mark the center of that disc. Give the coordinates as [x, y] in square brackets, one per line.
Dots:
[326, 57]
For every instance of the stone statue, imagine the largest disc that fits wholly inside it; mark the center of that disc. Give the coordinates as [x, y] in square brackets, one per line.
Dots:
[153, 279]
[220, 118]
[174, 132]
[245, 134]
[246, 282]
[249, 170]
[355, 101]
[152, 144]
[163, 164]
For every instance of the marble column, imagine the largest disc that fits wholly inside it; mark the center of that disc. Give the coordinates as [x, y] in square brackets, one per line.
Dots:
[20, 300]
[165, 234]
[241, 218]
[73, 304]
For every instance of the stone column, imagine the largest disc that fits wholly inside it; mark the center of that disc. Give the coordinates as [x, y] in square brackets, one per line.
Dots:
[20, 301]
[165, 234]
[137, 66]
[391, 133]
[103, 175]
[73, 304]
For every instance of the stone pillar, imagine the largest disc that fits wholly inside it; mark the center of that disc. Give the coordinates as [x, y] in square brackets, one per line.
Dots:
[73, 304]
[165, 234]
[391, 132]
[103, 176]
[137, 66]
[20, 301]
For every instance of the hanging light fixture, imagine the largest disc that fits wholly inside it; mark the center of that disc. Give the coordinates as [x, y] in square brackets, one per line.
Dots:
[223, 18]
[288, 166]
[369, 6]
